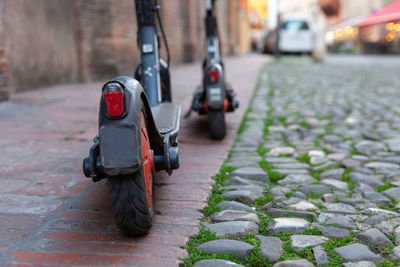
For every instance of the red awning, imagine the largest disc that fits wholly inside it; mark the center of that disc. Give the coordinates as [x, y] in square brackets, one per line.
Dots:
[388, 14]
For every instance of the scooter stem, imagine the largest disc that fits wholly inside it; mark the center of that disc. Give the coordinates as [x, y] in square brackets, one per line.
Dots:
[150, 62]
[148, 45]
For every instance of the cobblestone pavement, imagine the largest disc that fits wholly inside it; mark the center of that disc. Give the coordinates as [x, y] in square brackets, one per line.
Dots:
[320, 185]
[50, 215]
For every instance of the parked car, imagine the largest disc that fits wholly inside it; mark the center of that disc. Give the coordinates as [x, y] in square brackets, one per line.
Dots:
[295, 36]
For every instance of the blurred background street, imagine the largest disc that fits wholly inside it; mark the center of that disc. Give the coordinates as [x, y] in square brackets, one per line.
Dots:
[50, 42]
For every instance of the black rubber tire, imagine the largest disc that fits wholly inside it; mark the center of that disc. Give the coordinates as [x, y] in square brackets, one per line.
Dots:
[129, 203]
[216, 123]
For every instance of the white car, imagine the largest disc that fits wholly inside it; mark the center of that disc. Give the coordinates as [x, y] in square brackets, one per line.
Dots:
[296, 36]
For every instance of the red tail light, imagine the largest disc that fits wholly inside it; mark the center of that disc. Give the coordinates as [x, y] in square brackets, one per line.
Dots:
[214, 76]
[114, 98]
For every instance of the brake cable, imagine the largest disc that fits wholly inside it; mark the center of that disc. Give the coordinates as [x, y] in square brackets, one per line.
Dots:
[164, 37]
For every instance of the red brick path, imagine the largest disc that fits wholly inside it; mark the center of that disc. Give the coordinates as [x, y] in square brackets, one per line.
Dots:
[50, 215]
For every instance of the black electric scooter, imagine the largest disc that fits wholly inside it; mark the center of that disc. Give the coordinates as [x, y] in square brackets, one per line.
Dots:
[138, 129]
[215, 97]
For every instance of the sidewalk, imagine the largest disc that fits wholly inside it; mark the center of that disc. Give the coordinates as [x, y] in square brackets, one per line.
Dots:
[51, 215]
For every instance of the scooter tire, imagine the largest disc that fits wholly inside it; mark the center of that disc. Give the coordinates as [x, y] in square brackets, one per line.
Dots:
[216, 122]
[129, 204]
[132, 196]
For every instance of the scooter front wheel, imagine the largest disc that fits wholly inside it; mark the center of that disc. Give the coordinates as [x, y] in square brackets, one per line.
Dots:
[132, 195]
[216, 122]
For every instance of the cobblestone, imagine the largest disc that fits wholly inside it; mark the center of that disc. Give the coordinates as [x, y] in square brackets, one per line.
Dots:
[233, 205]
[300, 242]
[332, 174]
[393, 193]
[251, 172]
[288, 225]
[303, 206]
[232, 229]
[270, 248]
[297, 180]
[341, 221]
[238, 248]
[245, 196]
[301, 214]
[334, 232]
[375, 239]
[359, 264]
[328, 138]
[357, 252]
[216, 263]
[320, 256]
[371, 180]
[377, 198]
[335, 184]
[315, 189]
[294, 263]
[395, 254]
[234, 215]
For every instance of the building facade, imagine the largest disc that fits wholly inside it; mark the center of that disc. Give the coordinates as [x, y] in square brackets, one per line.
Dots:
[4, 94]
[345, 33]
[45, 42]
[357, 8]
[341, 10]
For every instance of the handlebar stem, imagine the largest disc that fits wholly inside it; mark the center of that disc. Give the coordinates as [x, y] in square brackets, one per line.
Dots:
[145, 10]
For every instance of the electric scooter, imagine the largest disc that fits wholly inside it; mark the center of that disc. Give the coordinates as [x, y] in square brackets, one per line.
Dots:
[215, 97]
[138, 129]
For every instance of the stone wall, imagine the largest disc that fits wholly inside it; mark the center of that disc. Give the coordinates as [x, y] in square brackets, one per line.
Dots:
[184, 23]
[39, 40]
[48, 42]
[175, 21]
[106, 31]
[224, 27]
[193, 30]
[4, 94]
[107, 44]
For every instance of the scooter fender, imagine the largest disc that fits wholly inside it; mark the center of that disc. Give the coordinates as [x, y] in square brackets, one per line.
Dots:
[119, 138]
[215, 92]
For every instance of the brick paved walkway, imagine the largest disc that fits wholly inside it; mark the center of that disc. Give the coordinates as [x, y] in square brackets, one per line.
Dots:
[51, 215]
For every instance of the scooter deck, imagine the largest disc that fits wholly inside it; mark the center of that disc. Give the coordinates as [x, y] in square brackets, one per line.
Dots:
[167, 116]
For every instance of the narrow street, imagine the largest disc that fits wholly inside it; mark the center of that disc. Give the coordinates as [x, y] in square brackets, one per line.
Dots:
[318, 165]
[323, 141]
[50, 214]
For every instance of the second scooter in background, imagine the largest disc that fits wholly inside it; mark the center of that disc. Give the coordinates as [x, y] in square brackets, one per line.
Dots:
[215, 97]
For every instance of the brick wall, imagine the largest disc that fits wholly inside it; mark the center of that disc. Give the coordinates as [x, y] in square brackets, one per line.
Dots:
[228, 18]
[47, 42]
[191, 19]
[184, 23]
[106, 31]
[39, 41]
[4, 94]
[175, 21]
